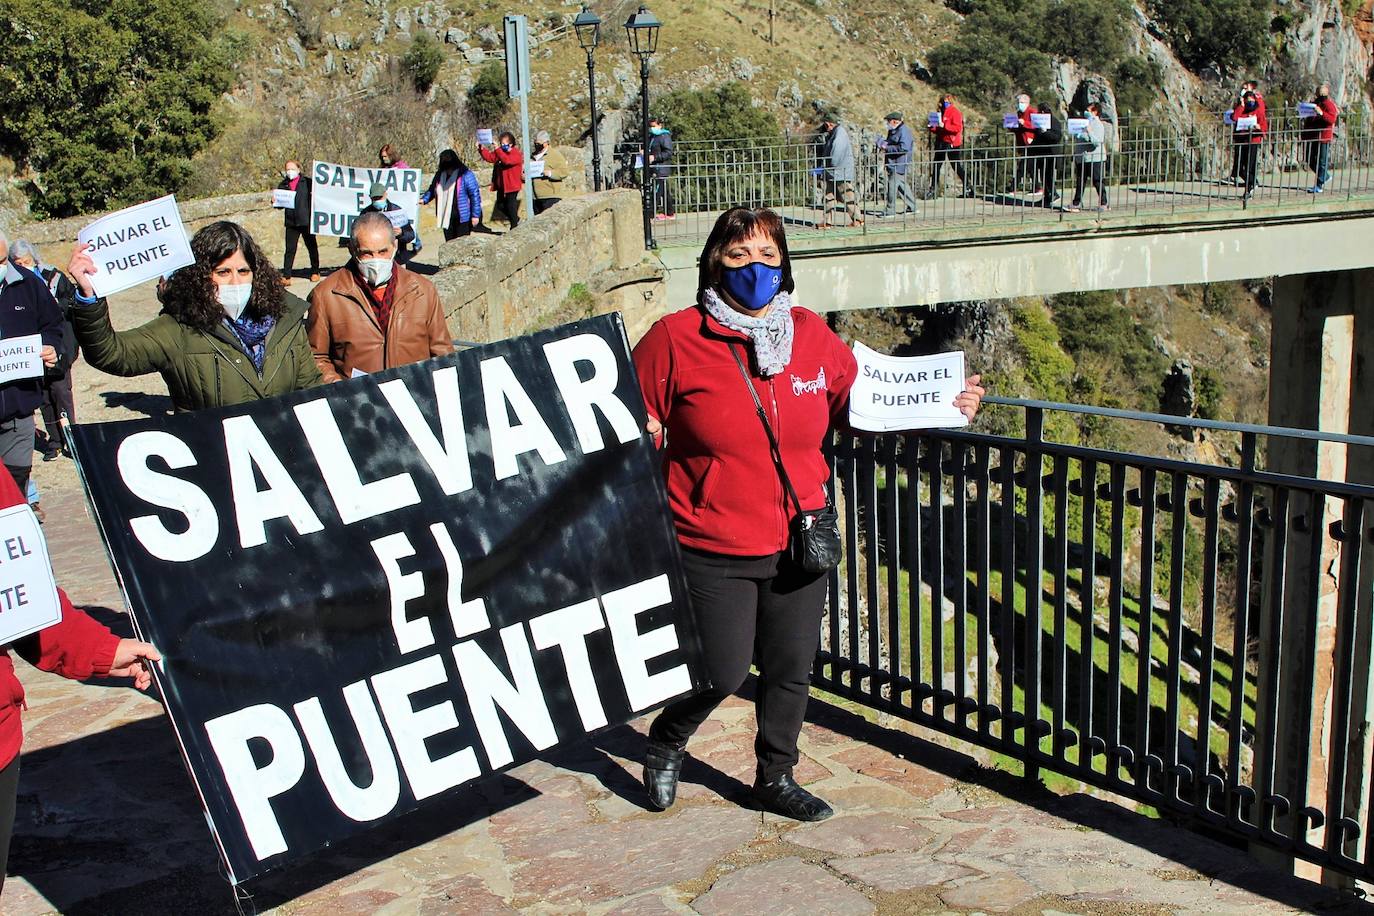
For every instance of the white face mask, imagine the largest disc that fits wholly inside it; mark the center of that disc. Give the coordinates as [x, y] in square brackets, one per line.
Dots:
[291, 174]
[234, 298]
[377, 271]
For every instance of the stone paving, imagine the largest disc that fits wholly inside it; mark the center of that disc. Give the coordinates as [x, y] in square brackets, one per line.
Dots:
[109, 821]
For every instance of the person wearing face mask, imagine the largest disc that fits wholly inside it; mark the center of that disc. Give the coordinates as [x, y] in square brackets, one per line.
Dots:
[1317, 133]
[228, 333]
[58, 408]
[297, 221]
[1024, 135]
[457, 198]
[374, 313]
[948, 131]
[660, 164]
[389, 159]
[507, 175]
[696, 370]
[1248, 139]
[406, 240]
[27, 307]
[897, 149]
[548, 184]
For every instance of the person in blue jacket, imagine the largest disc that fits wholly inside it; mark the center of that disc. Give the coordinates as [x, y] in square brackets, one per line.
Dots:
[456, 195]
[897, 150]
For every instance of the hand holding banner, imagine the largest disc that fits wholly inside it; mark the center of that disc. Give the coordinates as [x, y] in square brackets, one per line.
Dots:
[136, 244]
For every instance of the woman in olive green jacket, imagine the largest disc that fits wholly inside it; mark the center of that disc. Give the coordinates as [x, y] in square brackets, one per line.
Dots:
[228, 332]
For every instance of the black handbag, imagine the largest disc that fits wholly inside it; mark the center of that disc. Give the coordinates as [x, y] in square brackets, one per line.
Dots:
[813, 535]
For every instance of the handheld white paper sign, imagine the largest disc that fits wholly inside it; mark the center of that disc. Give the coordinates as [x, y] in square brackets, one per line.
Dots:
[136, 244]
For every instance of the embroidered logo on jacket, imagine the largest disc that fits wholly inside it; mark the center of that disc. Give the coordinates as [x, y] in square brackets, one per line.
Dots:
[815, 386]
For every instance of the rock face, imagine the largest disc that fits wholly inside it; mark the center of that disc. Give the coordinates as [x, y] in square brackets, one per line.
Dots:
[1179, 396]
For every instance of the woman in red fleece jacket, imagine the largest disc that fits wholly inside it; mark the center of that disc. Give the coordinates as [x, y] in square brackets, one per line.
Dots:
[750, 599]
[75, 648]
[507, 175]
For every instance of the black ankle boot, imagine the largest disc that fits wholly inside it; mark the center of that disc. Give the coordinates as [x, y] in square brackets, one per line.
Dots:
[662, 765]
[782, 795]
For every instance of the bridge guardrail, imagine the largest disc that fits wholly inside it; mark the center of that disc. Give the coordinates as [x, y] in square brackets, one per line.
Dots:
[1149, 168]
[1174, 632]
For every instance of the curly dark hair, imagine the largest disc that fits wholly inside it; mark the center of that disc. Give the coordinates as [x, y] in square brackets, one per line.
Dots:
[190, 296]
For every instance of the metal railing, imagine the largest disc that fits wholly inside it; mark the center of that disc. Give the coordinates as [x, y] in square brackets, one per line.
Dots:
[1171, 631]
[1149, 168]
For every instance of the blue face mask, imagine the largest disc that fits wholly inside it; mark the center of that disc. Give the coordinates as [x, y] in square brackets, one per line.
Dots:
[505, 147]
[753, 285]
[1251, 106]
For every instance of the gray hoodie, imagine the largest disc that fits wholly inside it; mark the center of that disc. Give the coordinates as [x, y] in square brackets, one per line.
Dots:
[837, 155]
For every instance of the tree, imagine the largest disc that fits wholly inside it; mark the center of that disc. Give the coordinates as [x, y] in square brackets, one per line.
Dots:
[106, 102]
[1231, 34]
[422, 61]
[487, 99]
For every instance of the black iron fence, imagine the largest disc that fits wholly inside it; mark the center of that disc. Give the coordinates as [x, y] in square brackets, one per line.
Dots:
[1192, 636]
[1149, 168]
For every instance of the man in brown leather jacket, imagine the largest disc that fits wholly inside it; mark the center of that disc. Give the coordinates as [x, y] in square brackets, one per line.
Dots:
[373, 313]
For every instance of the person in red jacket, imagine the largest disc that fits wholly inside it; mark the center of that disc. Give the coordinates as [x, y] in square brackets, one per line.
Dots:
[947, 127]
[1249, 137]
[76, 647]
[507, 175]
[1024, 134]
[751, 600]
[1317, 134]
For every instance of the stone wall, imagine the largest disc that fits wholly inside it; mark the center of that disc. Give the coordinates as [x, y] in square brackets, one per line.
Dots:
[582, 257]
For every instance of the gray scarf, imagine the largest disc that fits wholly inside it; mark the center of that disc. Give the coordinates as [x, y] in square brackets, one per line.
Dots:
[771, 334]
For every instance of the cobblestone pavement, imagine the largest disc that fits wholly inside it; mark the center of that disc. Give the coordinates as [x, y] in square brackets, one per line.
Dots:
[109, 822]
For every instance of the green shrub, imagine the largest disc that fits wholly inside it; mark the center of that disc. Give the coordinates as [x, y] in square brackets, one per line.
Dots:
[1136, 84]
[487, 99]
[422, 61]
[1092, 32]
[106, 103]
[987, 68]
[724, 112]
[1221, 299]
[1231, 34]
[1210, 392]
[1109, 346]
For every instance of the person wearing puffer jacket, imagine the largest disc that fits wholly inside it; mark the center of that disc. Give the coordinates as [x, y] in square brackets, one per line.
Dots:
[456, 196]
[77, 648]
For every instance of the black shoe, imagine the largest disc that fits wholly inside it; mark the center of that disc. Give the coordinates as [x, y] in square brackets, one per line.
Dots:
[967, 192]
[52, 454]
[783, 796]
[662, 766]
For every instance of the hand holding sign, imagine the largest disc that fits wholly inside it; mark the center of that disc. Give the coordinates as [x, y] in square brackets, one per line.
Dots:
[133, 246]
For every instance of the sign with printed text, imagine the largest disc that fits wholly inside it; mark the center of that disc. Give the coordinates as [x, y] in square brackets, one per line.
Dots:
[906, 392]
[1249, 122]
[1228, 117]
[1077, 126]
[1011, 121]
[136, 244]
[534, 168]
[283, 198]
[339, 193]
[1307, 110]
[21, 357]
[28, 592]
[399, 218]
[486, 136]
[1040, 121]
[934, 119]
[371, 593]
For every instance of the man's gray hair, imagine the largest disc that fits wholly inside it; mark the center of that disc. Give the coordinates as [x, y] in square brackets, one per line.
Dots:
[369, 220]
[23, 248]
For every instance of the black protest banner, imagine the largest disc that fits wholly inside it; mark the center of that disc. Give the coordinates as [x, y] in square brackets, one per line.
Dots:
[370, 593]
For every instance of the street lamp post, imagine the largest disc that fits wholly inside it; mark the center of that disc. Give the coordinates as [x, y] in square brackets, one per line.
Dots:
[642, 31]
[588, 28]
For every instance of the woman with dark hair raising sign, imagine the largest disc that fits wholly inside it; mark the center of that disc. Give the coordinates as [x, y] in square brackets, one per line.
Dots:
[745, 387]
[228, 332]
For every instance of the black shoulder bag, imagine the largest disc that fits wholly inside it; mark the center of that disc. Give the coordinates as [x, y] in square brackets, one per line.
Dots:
[814, 536]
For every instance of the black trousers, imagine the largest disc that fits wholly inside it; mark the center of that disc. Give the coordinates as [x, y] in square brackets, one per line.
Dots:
[1047, 175]
[543, 203]
[761, 609]
[946, 153]
[57, 400]
[663, 195]
[9, 794]
[1249, 164]
[508, 203]
[294, 234]
[1085, 172]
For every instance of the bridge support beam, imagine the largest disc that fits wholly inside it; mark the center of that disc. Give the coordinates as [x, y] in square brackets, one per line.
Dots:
[1321, 377]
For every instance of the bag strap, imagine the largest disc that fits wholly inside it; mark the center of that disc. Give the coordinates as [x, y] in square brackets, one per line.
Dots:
[768, 428]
